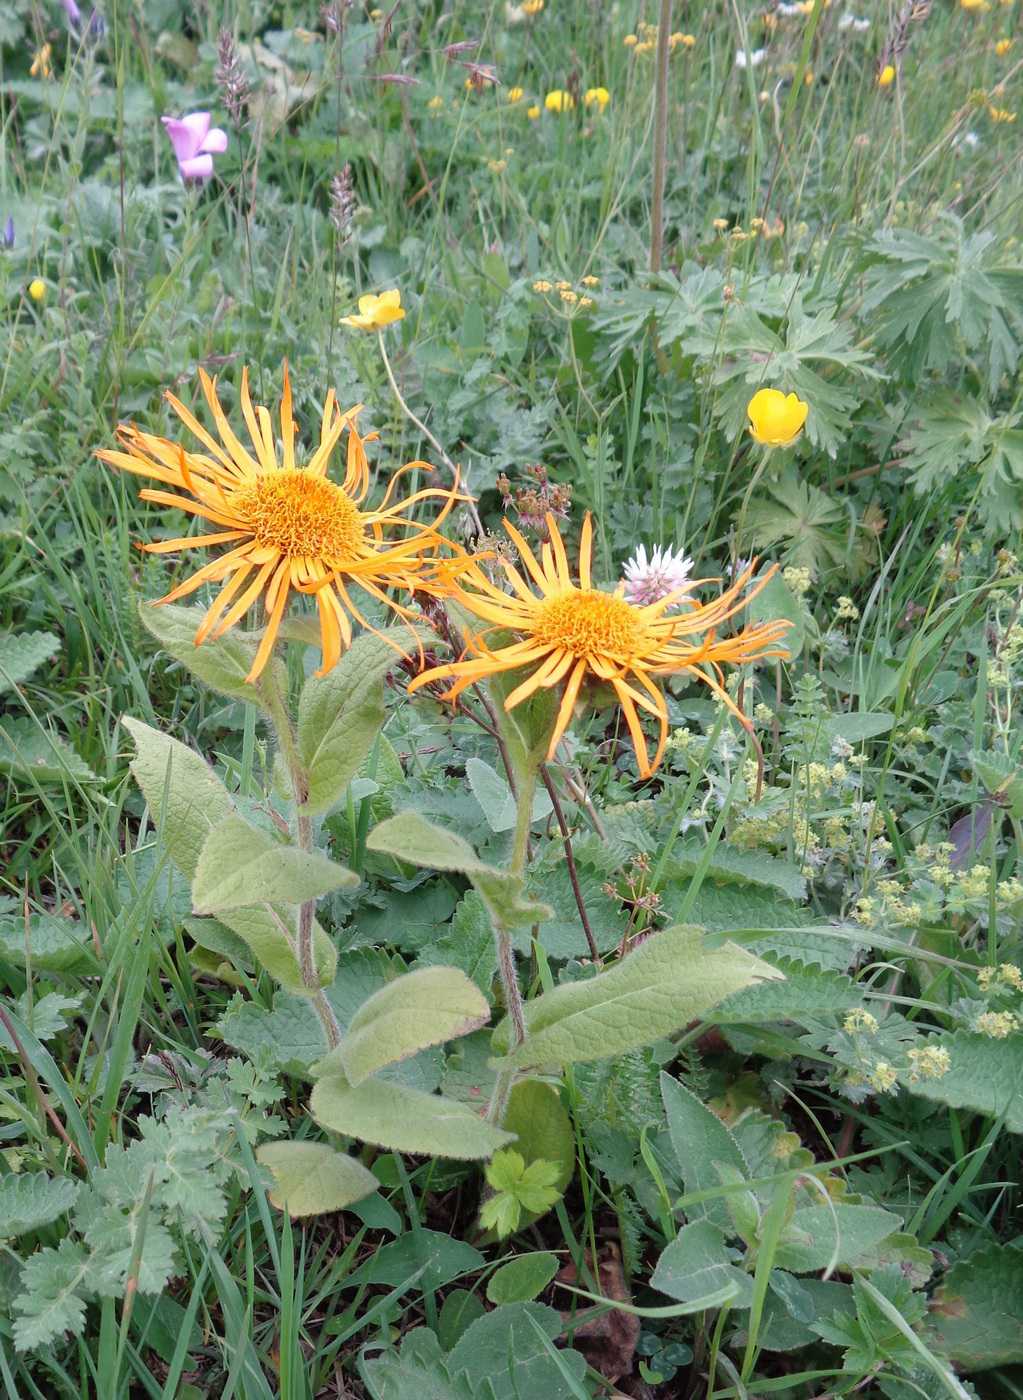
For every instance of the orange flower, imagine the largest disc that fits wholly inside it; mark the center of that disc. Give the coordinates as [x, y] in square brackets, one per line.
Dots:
[289, 525]
[570, 632]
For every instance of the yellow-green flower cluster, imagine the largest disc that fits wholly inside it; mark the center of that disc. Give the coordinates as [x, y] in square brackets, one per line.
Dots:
[579, 301]
[645, 39]
[997, 1024]
[929, 1062]
[1008, 975]
[860, 1020]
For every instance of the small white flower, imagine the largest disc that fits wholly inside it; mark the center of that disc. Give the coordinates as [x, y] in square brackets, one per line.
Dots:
[649, 580]
[970, 139]
[744, 59]
[789, 10]
[850, 21]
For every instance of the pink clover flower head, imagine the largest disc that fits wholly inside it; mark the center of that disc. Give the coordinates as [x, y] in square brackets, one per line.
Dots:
[648, 580]
[195, 144]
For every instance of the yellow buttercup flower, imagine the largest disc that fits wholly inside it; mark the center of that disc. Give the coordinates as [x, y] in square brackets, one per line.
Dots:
[515, 94]
[533, 113]
[1002, 47]
[37, 289]
[289, 526]
[558, 101]
[776, 419]
[435, 103]
[974, 4]
[376, 311]
[532, 7]
[886, 76]
[597, 97]
[630, 41]
[41, 63]
[570, 632]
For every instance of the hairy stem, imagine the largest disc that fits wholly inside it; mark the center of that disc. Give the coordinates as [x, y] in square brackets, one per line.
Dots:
[660, 136]
[573, 874]
[304, 838]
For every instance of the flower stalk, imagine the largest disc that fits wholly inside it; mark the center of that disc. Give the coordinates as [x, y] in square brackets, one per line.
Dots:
[660, 136]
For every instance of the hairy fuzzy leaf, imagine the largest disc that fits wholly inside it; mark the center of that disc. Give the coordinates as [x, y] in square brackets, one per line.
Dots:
[222, 664]
[702, 1145]
[240, 866]
[402, 1119]
[39, 755]
[976, 1318]
[311, 1178]
[32, 1200]
[816, 1236]
[698, 1262]
[805, 993]
[22, 653]
[984, 1074]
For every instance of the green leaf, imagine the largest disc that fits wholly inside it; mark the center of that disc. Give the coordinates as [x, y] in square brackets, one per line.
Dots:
[732, 865]
[468, 943]
[417, 1372]
[856, 727]
[522, 1278]
[272, 936]
[427, 1007]
[22, 653]
[776, 600]
[835, 1234]
[186, 798]
[240, 865]
[517, 1358]
[341, 713]
[976, 1316]
[222, 664]
[811, 529]
[805, 993]
[698, 1262]
[410, 837]
[49, 1304]
[494, 795]
[31, 1200]
[668, 981]
[702, 1145]
[984, 1074]
[435, 1257]
[40, 755]
[311, 1178]
[53, 944]
[404, 1120]
[542, 1127]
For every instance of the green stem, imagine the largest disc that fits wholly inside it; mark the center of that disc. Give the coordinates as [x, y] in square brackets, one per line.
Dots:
[660, 135]
[304, 837]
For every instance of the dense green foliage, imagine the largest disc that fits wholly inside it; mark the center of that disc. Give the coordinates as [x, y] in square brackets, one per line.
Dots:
[770, 1145]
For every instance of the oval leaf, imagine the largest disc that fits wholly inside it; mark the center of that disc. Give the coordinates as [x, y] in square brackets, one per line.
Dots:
[404, 1120]
[240, 866]
[222, 664]
[311, 1178]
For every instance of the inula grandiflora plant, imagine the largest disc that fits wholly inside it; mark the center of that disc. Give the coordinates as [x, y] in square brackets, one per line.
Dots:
[538, 639]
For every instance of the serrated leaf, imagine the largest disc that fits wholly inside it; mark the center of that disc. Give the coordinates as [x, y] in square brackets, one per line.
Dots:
[311, 1178]
[668, 981]
[40, 755]
[468, 943]
[222, 664]
[805, 993]
[341, 713]
[702, 1145]
[22, 653]
[698, 1262]
[842, 1234]
[731, 865]
[29, 1201]
[422, 1008]
[984, 1074]
[522, 1278]
[976, 1316]
[240, 865]
[417, 1372]
[49, 1304]
[53, 944]
[404, 1120]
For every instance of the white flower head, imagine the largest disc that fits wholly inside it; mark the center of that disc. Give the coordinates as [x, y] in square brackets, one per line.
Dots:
[850, 21]
[745, 59]
[649, 580]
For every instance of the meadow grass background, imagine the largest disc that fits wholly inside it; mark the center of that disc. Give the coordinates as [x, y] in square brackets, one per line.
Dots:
[855, 242]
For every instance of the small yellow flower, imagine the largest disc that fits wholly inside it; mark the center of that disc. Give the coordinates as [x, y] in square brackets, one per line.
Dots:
[776, 419]
[860, 1020]
[974, 4]
[630, 41]
[589, 281]
[435, 103]
[41, 63]
[883, 1077]
[886, 76]
[532, 7]
[720, 225]
[376, 311]
[515, 94]
[931, 1062]
[585, 302]
[1002, 47]
[997, 1024]
[597, 97]
[542, 286]
[568, 295]
[37, 289]
[559, 101]
[497, 167]
[1000, 114]
[533, 113]
[562, 286]
[689, 41]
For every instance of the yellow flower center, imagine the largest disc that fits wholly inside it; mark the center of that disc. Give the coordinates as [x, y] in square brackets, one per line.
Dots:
[302, 516]
[585, 622]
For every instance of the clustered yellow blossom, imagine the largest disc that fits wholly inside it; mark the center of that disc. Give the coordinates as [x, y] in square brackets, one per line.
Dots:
[1000, 114]
[435, 103]
[597, 97]
[645, 39]
[929, 1062]
[846, 610]
[883, 1077]
[798, 578]
[860, 1020]
[997, 1024]
[930, 891]
[41, 63]
[533, 112]
[1006, 975]
[567, 293]
[514, 95]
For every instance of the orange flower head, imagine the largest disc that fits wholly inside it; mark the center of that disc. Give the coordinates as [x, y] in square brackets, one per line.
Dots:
[290, 527]
[569, 632]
